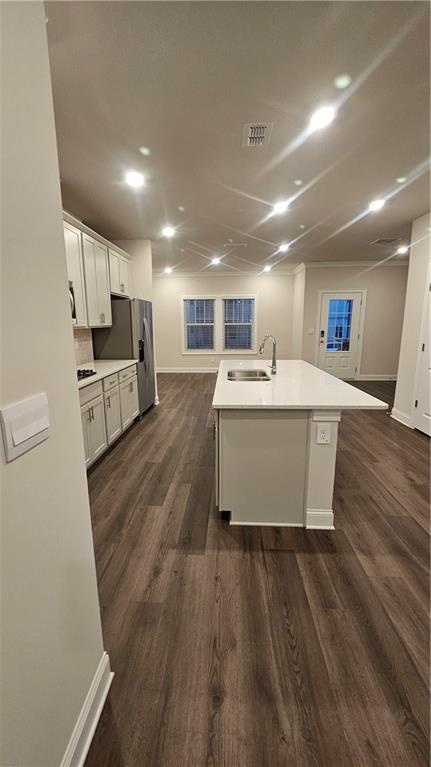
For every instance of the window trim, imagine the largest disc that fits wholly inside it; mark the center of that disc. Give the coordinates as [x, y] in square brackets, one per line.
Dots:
[218, 325]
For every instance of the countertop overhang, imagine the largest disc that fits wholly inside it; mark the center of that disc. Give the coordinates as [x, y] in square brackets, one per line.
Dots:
[297, 385]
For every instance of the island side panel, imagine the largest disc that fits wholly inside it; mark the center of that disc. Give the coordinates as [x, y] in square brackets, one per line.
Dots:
[263, 466]
[321, 471]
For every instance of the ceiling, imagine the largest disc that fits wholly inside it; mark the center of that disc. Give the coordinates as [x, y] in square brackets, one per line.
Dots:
[183, 78]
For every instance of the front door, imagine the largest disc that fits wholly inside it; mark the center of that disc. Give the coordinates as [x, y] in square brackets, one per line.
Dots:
[340, 315]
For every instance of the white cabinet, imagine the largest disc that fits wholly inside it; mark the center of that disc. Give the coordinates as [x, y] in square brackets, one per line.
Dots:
[85, 419]
[129, 401]
[112, 414]
[94, 429]
[119, 271]
[75, 272]
[96, 270]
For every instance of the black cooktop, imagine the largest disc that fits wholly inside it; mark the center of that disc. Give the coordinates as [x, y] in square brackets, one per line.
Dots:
[83, 373]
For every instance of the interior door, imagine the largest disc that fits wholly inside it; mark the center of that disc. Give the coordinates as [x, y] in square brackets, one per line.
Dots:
[422, 410]
[340, 315]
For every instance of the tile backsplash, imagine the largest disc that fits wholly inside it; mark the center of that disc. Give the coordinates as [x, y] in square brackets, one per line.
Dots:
[83, 346]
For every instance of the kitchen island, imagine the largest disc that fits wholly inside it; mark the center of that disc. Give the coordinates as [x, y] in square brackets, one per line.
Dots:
[276, 441]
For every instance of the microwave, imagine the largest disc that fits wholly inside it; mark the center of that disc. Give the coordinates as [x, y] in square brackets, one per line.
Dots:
[72, 302]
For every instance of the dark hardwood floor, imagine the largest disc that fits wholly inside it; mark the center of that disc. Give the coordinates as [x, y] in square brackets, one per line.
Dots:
[261, 647]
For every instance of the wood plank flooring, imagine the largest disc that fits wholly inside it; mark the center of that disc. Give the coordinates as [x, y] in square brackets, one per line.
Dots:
[261, 647]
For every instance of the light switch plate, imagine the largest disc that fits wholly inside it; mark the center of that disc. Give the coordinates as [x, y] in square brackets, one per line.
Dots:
[323, 433]
[24, 425]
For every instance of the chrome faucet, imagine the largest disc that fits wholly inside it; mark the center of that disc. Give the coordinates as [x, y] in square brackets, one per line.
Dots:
[274, 352]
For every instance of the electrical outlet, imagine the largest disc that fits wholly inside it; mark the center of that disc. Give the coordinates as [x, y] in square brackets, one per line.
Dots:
[323, 433]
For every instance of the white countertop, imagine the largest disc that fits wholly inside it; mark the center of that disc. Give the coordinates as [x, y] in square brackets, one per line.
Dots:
[297, 385]
[103, 368]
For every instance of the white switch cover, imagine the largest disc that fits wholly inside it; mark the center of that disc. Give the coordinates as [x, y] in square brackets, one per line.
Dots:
[323, 433]
[24, 425]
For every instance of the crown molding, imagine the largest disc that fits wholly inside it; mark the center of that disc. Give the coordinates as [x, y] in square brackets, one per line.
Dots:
[212, 274]
[297, 269]
[344, 264]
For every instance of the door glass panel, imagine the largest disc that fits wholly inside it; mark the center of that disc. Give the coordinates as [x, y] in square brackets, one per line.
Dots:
[339, 324]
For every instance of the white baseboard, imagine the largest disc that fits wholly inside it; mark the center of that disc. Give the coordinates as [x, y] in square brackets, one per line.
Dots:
[401, 417]
[187, 370]
[263, 524]
[377, 377]
[86, 724]
[319, 519]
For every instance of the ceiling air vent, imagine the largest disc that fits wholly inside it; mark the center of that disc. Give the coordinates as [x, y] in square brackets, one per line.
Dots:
[256, 134]
[385, 241]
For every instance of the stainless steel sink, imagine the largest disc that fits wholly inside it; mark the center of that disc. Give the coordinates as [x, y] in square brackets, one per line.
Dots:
[247, 375]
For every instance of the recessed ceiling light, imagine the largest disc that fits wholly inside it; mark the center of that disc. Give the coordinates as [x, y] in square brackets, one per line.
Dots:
[402, 250]
[298, 182]
[321, 118]
[280, 207]
[267, 268]
[284, 247]
[342, 81]
[181, 208]
[302, 226]
[376, 205]
[168, 270]
[135, 179]
[215, 261]
[168, 231]
[145, 150]
[401, 180]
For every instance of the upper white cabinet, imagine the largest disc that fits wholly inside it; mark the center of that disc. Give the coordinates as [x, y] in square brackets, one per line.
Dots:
[119, 270]
[75, 272]
[96, 270]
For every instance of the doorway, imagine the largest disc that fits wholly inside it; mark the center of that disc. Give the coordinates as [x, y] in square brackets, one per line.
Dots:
[340, 330]
[421, 414]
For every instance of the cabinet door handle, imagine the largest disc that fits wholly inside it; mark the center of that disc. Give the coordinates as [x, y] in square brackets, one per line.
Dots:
[92, 414]
[102, 317]
[122, 287]
[131, 386]
[89, 415]
[108, 401]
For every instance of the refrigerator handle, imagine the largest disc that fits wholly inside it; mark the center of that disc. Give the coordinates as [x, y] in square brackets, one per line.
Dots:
[146, 340]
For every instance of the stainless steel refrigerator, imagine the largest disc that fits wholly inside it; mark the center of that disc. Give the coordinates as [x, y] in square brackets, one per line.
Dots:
[130, 337]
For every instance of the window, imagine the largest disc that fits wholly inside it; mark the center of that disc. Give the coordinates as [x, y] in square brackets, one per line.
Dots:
[238, 323]
[199, 323]
[339, 324]
[219, 324]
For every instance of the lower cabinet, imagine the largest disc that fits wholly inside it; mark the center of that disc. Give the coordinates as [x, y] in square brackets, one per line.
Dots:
[129, 401]
[108, 408]
[94, 429]
[112, 414]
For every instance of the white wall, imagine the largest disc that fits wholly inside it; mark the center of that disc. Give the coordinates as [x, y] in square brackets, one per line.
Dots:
[141, 267]
[386, 287]
[274, 297]
[51, 632]
[298, 312]
[417, 293]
